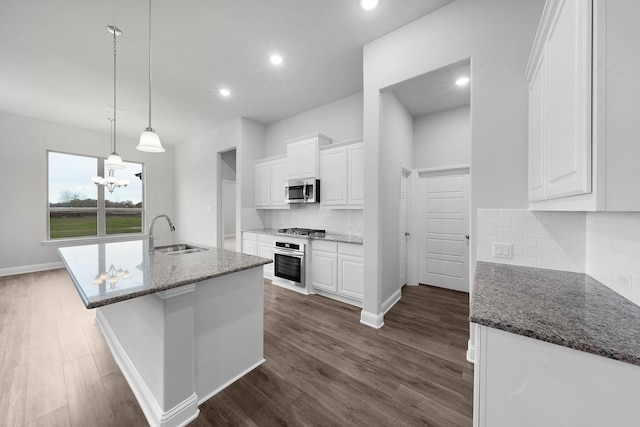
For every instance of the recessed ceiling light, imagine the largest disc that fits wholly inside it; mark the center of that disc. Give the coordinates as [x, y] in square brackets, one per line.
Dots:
[225, 92]
[369, 4]
[275, 59]
[462, 81]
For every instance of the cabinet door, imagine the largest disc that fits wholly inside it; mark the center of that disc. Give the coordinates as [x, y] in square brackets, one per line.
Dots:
[356, 175]
[309, 158]
[262, 184]
[333, 167]
[350, 276]
[278, 176]
[265, 250]
[250, 247]
[537, 133]
[294, 154]
[324, 270]
[568, 103]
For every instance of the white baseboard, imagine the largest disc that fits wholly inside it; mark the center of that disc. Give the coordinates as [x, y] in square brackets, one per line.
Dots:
[471, 352]
[228, 383]
[178, 416]
[372, 320]
[391, 301]
[377, 320]
[30, 268]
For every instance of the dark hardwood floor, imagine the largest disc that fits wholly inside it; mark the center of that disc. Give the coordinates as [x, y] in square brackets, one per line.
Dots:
[322, 366]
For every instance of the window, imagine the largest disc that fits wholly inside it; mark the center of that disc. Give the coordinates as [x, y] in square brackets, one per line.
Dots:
[78, 208]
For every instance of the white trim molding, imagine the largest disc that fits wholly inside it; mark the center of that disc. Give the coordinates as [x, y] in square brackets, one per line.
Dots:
[228, 383]
[445, 170]
[372, 320]
[10, 271]
[391, 301]
[178, 416]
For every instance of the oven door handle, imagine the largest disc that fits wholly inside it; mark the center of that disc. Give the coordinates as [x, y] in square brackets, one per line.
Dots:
[287, 253]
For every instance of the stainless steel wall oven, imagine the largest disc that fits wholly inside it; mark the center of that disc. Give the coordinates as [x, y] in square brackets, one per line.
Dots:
[289, 261]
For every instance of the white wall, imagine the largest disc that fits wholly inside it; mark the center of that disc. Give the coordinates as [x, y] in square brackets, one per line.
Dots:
[23, 183]
[497, 35]
[396, 140]
[340, 120]
[442, 138]
[197, 184]
[613, 251]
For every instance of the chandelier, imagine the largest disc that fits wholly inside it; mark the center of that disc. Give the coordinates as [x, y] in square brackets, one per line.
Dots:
[114, 161]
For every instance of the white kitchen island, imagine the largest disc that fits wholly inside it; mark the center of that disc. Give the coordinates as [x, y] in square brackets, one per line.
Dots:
[181, 327]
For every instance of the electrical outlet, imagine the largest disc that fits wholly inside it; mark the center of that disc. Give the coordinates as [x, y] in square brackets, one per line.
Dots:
[503, 250]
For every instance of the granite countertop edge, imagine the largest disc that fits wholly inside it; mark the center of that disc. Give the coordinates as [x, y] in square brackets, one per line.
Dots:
[149, 291]
[330, 237]
[578, 337]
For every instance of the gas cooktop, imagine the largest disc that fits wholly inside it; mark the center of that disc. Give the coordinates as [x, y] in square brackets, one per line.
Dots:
[301, 231]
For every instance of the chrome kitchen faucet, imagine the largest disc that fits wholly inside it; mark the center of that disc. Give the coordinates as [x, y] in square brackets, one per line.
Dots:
[171, 227]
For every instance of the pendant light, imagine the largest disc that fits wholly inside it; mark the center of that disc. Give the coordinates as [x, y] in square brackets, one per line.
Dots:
[114, 161]
[149, 140]
[111, 182]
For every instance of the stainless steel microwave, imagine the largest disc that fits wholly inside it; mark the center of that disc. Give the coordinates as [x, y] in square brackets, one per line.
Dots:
[302, 191]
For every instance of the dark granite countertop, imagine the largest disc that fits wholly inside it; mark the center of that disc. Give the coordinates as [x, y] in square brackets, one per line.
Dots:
[341, 238]
[108, 273]
[564, 308]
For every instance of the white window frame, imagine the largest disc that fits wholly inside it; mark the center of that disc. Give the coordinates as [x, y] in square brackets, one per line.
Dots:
[101, 210]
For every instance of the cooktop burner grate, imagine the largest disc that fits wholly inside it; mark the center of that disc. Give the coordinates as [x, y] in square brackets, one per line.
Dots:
[301, 231]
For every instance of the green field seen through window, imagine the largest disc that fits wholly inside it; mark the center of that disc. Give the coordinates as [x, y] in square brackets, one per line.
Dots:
[65, 225]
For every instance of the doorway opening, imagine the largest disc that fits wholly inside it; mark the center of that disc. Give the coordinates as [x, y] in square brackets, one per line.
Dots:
[439, 103]
[227, 190]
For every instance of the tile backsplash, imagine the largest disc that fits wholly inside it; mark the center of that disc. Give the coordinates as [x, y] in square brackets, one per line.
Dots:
[554, 240]
[336, 221]
[613, 251]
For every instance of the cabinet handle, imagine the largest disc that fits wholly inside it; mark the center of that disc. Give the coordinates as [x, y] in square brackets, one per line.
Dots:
[467, 237]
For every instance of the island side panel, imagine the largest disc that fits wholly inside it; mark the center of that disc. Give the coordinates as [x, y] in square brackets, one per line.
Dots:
[229, 329]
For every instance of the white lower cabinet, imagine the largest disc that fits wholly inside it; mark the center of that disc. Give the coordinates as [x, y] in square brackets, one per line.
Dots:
[259, 245]
[265, 250]
[325, 271]
[250, 243]
[521, 381]
[337, 270]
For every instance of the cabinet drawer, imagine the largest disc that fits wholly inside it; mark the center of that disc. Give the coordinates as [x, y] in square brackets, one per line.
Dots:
[349, 249]
[265, 238]
[324, 246]
[249, 236]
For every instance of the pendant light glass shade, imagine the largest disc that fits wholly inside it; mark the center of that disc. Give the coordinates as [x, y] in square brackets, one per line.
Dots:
[149, 139]
[150, 142]
[114, 161]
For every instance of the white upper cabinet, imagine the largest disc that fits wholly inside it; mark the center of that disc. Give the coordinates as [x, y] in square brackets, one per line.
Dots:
[278, 177]
[302, 155]
[342, 175]
[584, 102]
[270, 176]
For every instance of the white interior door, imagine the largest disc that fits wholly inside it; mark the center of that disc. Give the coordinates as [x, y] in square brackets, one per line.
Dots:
[403, 228]
[444, 218]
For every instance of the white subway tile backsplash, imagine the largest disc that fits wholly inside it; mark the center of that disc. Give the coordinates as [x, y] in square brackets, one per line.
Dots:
[337, 221]
[553, 240]
[605, 245]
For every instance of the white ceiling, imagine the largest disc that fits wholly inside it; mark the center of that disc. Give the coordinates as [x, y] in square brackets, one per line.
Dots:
[435, 91]
[57, 59]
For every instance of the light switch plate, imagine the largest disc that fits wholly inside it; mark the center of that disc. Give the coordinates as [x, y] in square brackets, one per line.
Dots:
[503, 250]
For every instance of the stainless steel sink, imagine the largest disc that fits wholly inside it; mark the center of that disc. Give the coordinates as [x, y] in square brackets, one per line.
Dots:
[180, 249]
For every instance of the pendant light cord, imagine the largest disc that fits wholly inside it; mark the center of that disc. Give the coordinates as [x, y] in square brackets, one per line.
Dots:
[114, 89]
[149, 63]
